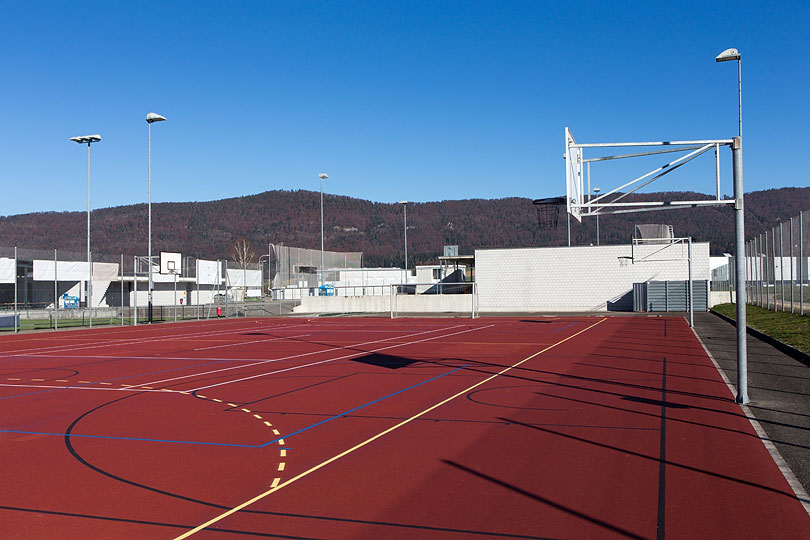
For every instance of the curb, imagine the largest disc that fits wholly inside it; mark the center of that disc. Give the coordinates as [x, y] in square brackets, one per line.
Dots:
[789, 350]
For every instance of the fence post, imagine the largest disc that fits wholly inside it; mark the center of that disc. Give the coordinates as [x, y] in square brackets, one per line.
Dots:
[781, 267]
[55, 293]
[790, 237]
[16, 326]
[135, 289]
[801, 261]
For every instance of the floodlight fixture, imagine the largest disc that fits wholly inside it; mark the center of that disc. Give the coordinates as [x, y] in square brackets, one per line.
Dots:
[728, 55]
[402, 202]
[154, 117]
[86, 139]
[323, 176]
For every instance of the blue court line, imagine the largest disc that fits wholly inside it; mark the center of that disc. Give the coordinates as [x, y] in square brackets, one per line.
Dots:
[234, 445]
[362, 406]
[566, 326]
[126, 438]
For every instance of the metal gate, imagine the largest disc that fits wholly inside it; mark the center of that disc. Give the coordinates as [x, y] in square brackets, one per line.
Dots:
[670, 296]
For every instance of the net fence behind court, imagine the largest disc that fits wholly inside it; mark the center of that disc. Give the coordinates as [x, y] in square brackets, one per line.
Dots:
[300, 267]
[777, 266]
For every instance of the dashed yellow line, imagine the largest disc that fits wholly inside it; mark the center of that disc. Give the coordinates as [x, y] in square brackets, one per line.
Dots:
[232, 404]
[13, 379]
[281, 442]
[246, 410]
[257, 416]
[38, 380]
[281, 466]
[276, 432]
[283, 452]
[275, 482]
[218, 400]
[373, 438]
[268, 424]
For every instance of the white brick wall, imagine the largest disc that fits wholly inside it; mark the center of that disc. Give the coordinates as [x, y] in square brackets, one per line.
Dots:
[581, 278]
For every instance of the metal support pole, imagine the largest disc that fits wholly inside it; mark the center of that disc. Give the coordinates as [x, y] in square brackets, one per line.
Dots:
[16, 326]
[135, 290]
[175, 295]
[790, 238]
[89, 261]
[781, 267]
[55, 293]
[405, 214]
[197, 273]
[568, 216]
[802, 270]
[90, 289]
[149, 252]
[739, 222]
[226, 288]
[691, 291]
[121, 273]
[321, 272]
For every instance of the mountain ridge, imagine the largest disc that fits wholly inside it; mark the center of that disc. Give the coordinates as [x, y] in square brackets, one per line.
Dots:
[210, 229]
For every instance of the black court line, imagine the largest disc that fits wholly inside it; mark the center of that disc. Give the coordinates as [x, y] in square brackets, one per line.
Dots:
[662, 462]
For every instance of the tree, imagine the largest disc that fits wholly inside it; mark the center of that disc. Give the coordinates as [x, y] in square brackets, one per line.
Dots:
[243, 253]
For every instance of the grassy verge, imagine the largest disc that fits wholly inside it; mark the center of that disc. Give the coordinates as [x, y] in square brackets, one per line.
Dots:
[786, 327]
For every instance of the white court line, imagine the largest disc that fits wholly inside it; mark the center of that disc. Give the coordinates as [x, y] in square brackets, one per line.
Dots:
[371, 439]
[781, 463]
[126, 389]
[105, 357]
[362, 353]
[154, 383]
[249, 342]
[117, 342]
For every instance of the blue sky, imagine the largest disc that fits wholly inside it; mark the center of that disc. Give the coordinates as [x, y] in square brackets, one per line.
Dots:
[417, 100]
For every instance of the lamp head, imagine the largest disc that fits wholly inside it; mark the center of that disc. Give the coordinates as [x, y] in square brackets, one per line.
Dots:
[727, 55]
[86, 139]
[596, 190]
[323, 176]
[402, 202]
[154, 117]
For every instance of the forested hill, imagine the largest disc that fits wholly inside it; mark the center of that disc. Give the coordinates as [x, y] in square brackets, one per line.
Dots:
[210, 229]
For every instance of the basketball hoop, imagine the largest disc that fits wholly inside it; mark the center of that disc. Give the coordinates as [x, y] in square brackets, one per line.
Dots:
[548, 212]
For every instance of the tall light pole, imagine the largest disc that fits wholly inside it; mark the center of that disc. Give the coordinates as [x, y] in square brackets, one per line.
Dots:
[739, 240]
[597, 190]
[88, 140]
[405, 218]
[727, 56]
[151, 118]
[322, 177]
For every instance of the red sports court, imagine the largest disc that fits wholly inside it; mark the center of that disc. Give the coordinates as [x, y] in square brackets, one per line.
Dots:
[556, 427]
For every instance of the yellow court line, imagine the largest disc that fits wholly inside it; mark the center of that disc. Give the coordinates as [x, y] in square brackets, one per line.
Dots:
[371, 439]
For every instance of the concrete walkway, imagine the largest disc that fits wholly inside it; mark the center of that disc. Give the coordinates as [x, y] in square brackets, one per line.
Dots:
[778, 387]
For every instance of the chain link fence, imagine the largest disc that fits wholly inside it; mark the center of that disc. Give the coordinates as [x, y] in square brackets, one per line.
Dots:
[53, 288]
[776, 267]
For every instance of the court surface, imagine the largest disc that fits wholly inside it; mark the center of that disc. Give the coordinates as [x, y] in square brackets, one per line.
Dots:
[370, 428]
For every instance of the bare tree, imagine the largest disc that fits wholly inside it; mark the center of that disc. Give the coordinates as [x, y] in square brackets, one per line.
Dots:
[243, 253]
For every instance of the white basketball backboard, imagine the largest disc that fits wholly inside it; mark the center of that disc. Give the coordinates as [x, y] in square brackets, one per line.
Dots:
[170, 263]
[573, 177]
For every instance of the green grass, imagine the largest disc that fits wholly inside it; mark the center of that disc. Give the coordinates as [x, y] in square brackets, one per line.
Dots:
[788, 328]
